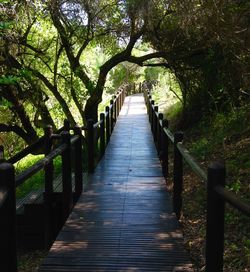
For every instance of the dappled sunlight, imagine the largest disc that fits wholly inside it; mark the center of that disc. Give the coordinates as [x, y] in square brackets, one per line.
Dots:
[124, 220]
[167, 235]
[63, 246]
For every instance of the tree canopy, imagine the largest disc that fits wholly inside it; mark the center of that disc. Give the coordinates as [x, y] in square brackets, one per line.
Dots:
[57, 56]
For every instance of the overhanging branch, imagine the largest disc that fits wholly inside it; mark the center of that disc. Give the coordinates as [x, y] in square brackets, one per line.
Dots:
[140, 60]
[14, 128]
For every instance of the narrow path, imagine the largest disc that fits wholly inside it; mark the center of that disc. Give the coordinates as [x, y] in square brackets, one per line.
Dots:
[124, 220]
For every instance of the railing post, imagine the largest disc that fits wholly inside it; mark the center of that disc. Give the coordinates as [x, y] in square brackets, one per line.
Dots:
[48, 188]
[1, 153]
[115, 108]
[8, 247]
[159, 132]
[67, 201]
[66, 125]
[107, 124]
[164, 153]
[124, 93]
[178, 175]
[120, 102]
[78, 161]
[155, 122]
[215, 219]
[147, 98]
[149, 109]
[102, 133]
[91, 146]
[152, 115]
[111, 115]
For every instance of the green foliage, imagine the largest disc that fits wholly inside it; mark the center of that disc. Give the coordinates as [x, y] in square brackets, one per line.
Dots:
[36, 181]
[5, 103]
[152, 74]
[8, 80]
[201, 148]
[6, 25]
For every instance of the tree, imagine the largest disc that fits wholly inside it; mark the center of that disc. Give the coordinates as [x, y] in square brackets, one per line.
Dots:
[206, 48]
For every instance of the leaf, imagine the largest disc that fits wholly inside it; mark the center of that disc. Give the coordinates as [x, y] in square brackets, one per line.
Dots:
[5, 103]
[8, 80]
[5, 25]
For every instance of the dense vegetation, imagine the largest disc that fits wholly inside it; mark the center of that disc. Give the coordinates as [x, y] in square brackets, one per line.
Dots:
[60, 58]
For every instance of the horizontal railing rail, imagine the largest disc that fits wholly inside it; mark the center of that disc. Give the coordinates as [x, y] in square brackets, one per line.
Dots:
[27, 173]
[35, 146]
[214, 179]
[98, 134]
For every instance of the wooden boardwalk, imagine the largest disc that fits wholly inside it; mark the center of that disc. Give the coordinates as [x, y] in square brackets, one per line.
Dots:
[124, 219]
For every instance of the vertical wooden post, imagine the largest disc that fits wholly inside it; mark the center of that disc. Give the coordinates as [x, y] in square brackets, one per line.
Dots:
[164, 153]
[102, 133]
[117, 104]
[91, 146]
[148, 97]
[107, 124]
[149, 109]
[159, 132]
[67, 201]
[48, 188]
[49, 168]
[124, 94]
[8, 249]
[120, 101]
[152, 115]
[155, 122]
[111, 115]
[78, 161]
[66, 125]
[215, 219]
[178, 175]
[1, 153]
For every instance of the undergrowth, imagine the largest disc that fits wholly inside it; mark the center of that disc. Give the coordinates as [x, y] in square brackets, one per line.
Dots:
[223, 137]
[36, 181]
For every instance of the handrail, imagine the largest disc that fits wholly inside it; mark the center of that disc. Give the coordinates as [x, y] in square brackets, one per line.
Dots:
[29, 149]
[74, 139]
[97, 124]
[17, 157]
[169, 134]
[230, 198]
[217, 194]
[192, 162]
[20, 179]
[105, 126]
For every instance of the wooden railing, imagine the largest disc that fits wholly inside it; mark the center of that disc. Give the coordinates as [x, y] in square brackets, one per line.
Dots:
[214, 180]
[57, 144]
[98, 134]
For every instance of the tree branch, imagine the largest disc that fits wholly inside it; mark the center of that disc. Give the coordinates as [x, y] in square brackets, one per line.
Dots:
[74, 61]
[160, 64]
[16, 129]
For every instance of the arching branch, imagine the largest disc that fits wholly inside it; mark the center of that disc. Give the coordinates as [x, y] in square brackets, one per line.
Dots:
[17, 130]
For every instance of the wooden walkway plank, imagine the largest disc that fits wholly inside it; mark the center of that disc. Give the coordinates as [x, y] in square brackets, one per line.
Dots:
[124, 220]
